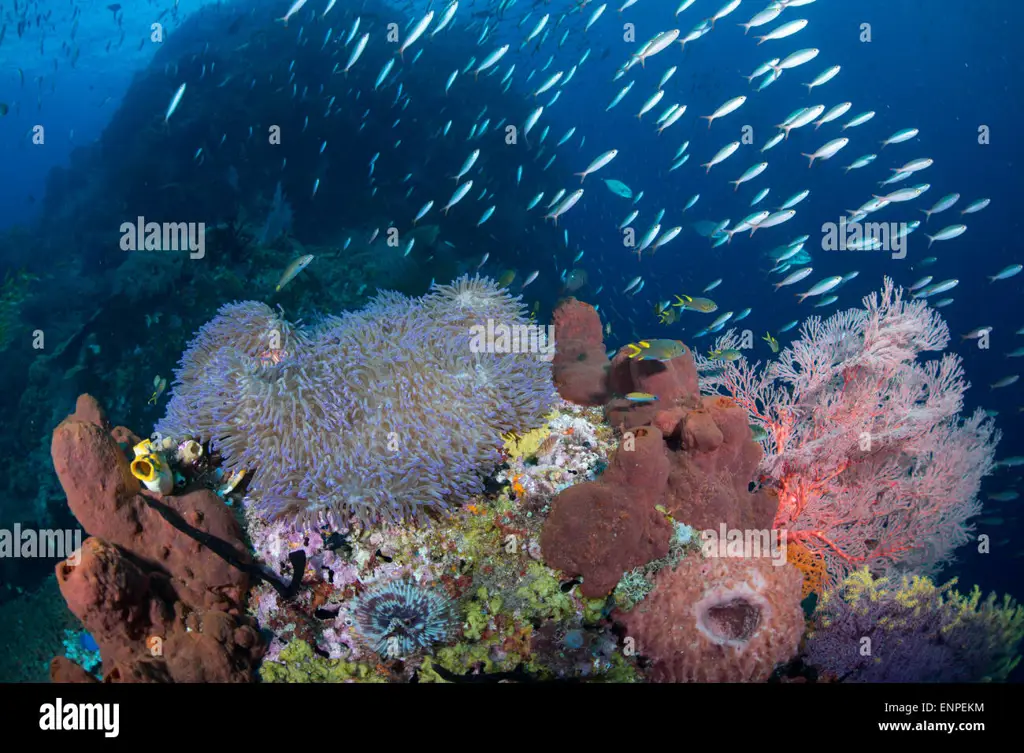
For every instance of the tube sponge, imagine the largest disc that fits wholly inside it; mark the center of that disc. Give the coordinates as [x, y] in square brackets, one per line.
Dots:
[377, 414]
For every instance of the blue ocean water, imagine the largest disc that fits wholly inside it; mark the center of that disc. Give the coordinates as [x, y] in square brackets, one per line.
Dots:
[98, 86]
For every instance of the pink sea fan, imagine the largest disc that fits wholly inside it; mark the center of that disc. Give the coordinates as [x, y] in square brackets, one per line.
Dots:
[865, 444]
[377, 414]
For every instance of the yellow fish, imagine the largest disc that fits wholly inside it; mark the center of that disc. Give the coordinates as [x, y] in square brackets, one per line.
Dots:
[703, 305]
[656, 350]
[161, 385]
[641, 397]
[668, 316]
[729, 354]
[772, 342]
[293, 269]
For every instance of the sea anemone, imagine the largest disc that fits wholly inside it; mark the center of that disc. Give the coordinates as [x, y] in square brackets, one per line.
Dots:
[379, 414]
[396, 619]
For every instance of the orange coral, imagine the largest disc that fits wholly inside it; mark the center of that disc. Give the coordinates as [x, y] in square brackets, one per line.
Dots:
[811, 564]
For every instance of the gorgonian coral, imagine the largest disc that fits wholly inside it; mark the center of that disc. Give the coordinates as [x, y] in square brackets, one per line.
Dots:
[911, 630]
[400, 618]
[872, 461]
[377, 414]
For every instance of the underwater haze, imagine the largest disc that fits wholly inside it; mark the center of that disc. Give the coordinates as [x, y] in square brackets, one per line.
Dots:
[236, 225]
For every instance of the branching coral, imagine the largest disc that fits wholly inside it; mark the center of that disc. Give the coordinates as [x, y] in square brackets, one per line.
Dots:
[866, 446]
[378, 414]
[911, 630]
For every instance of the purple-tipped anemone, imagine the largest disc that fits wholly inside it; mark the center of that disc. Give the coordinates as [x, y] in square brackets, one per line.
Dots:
[377, 414]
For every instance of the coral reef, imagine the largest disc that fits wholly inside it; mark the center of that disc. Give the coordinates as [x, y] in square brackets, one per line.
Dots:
[511, 614]
[377, 415]
[912, 630]
[160, 605]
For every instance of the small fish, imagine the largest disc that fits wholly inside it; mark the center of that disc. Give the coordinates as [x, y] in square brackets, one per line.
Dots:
[619, 188]
[176, 99]
[783, 31]
[947, 233]
[598, 163]
[161, 385]
[703, 305]
[641, 397]
[794, 277]
[733, 104]
[728, 354]
[417, 31]
[976, 206]
[759, 432]
[1012, 462]
[293, 269]
[423, 210]
[1004, 382]
[296, 7]
[974, 334]
[820, 287]
[828, 151]
[941, 205]
[824, 77]
[772, 342]
[656, 350]
[1007, 496]
[900, 136]
[1010, 271]
[723, 154]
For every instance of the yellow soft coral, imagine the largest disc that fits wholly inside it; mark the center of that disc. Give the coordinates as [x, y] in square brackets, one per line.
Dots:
[523, 446]
[989, 627]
